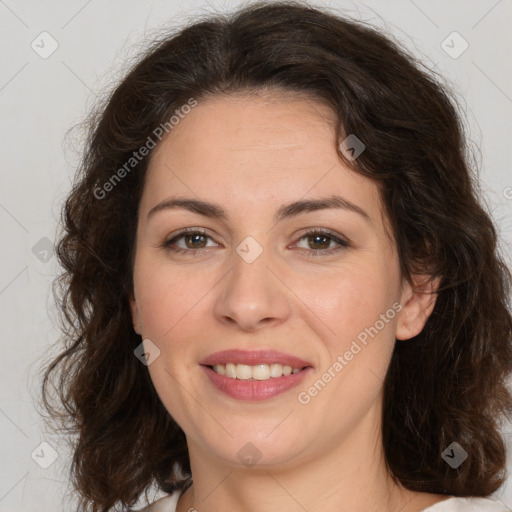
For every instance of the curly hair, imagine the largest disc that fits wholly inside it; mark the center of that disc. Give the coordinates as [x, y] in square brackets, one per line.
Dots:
[446, 384]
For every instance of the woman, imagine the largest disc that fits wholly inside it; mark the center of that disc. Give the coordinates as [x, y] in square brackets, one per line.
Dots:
[280, 288]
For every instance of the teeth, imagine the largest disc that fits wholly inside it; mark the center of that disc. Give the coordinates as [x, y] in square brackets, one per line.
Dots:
[276, 370]
[256, 372]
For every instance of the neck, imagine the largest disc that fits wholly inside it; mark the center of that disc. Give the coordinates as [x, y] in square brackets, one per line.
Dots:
[347, 475]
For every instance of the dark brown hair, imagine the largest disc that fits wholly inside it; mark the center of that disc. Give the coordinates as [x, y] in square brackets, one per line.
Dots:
[446, 384]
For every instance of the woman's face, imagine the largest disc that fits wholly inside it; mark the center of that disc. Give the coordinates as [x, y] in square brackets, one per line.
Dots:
[256, 175]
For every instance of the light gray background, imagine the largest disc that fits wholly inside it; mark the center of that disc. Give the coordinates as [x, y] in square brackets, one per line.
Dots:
[42, 98]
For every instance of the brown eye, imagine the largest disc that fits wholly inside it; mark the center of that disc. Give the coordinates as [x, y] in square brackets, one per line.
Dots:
[319, 241]
[194, 241]
[188, 241]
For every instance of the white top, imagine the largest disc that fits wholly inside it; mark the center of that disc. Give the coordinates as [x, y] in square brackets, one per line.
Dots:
[453, 504]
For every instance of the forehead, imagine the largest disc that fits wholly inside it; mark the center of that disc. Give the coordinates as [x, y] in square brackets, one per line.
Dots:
[231, 128]
[258, 152]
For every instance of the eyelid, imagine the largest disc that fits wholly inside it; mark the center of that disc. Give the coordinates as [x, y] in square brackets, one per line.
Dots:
[184, 231]
[323, 231]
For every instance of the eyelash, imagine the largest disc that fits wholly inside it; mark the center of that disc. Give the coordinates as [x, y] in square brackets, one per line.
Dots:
[342, 244]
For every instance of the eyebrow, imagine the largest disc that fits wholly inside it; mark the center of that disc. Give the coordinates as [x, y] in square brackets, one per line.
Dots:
[286, 211]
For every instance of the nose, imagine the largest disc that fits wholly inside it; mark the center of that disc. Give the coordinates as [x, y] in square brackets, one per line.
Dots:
[252, 296]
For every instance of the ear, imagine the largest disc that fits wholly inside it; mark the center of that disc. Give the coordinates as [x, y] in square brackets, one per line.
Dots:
[137, 325]
[418, 302]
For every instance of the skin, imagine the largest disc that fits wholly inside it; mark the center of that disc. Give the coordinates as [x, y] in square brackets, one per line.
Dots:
[252, 154]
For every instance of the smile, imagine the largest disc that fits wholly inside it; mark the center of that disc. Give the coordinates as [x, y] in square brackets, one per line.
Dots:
[260, 371]
[254, 375]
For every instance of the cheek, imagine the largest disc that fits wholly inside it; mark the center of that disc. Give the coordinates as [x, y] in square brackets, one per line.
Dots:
[347, 300]
[352, 372]
[357, 306]
[171, 307]
[168, 297]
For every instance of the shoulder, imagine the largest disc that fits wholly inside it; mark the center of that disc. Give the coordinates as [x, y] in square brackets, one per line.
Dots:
[455, 504]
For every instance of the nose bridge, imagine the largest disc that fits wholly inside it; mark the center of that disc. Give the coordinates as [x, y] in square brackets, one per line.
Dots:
[251, 293]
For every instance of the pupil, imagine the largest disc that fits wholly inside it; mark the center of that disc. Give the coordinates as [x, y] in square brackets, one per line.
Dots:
[314, 238]
[194, 238]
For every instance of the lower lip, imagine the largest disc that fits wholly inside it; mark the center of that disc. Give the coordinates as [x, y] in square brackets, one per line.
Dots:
[255, 390]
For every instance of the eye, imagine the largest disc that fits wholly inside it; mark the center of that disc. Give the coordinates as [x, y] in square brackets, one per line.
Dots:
[324, 242]
[192, 238]
[321, 241]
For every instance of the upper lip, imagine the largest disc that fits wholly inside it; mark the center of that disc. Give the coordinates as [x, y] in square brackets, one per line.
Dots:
[252, 358]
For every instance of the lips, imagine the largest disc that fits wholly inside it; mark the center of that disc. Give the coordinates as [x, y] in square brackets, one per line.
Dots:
[250, 389]
[252, 358]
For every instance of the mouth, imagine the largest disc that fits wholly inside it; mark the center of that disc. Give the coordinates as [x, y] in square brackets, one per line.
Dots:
[254, 375]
